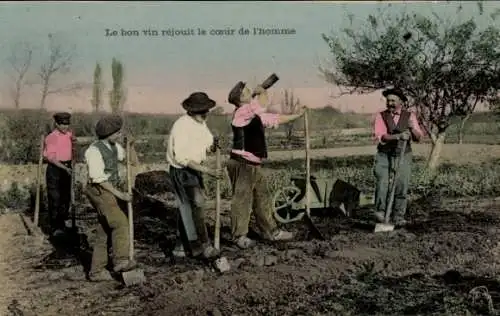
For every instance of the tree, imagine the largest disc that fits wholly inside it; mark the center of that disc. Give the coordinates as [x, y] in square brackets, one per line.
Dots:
[289, 105]
[117, 94]
[446, 67]
[97, 89]
[58, 62]
[20, 61]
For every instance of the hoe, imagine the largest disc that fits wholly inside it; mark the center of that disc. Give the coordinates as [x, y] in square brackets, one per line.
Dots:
[135, 276]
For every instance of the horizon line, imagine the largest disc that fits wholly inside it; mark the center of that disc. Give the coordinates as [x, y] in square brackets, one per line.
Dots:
[106, 111]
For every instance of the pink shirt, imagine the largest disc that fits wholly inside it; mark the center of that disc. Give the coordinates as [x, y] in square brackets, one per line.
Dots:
[380, 129]
[242, 117]
[58, 146]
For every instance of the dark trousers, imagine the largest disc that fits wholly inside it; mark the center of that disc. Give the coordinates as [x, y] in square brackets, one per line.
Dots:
[58, 194]
[189, 188]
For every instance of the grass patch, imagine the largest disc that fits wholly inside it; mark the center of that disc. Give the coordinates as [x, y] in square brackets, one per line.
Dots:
[452, 180]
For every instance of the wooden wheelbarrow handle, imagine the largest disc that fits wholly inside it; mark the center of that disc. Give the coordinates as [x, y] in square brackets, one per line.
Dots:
[314, 230]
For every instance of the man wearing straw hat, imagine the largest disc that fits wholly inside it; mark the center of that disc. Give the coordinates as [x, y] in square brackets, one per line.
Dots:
[250, 186]
[103, 192]
[188, 143]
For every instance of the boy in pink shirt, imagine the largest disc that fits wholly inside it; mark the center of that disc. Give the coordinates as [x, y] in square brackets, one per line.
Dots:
[250, 186]
[58, 153]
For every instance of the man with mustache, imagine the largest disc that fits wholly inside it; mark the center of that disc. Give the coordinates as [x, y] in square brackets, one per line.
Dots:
[392, 127]
[189, 141]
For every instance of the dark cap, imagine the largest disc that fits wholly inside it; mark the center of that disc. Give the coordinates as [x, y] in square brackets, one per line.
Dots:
[235, 93]
[62, 118]
[108, 125]
[395, 91]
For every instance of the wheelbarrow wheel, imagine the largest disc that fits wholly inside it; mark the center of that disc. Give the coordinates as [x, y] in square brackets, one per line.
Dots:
[283, 205]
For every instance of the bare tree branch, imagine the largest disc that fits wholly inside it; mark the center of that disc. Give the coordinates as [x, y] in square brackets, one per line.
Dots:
[71, 88]
[58, 62]
[20, 61]
[289, 105]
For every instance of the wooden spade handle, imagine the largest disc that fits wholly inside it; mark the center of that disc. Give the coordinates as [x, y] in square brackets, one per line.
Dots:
[36, 216]
[308, 163]
[129, 203]
[217, 202]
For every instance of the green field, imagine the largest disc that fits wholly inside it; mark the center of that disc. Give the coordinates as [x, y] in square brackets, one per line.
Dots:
[341, 148]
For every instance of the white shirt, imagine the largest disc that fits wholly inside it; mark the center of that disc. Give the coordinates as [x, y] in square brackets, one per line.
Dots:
[188, 140]
[95, 162]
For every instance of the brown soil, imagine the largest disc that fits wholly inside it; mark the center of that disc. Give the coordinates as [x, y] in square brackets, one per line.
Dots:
[444, 262]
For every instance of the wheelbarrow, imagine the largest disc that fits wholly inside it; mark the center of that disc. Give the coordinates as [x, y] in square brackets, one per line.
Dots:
[329, 197]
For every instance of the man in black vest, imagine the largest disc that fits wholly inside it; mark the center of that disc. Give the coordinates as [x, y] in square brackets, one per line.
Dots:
[103, 191]
[250, 186]
[392, 127]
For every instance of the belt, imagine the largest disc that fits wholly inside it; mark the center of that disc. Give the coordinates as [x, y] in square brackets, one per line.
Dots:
[65, 163]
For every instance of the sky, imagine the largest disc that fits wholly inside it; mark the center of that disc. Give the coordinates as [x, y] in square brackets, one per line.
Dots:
[161, 71]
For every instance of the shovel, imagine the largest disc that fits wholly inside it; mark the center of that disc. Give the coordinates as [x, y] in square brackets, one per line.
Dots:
[221, 263]
[386, 226]
[32, 226]
[314, 230]
[73, 182]
[38, 183]
[135, 276]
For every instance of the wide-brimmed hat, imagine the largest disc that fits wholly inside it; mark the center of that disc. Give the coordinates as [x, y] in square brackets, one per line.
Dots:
[62, 118]
[395, 91]
[198, 102]
[235, 93]
[108, 125]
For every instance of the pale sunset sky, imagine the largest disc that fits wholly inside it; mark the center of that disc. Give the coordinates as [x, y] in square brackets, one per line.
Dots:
[161, 71]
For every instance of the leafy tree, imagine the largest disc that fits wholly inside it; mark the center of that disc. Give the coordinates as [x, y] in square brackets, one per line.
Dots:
[97, 89]
[445, 66]
[117, 94]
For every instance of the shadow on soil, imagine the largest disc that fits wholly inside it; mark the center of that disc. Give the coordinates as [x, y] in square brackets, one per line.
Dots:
[69, 249]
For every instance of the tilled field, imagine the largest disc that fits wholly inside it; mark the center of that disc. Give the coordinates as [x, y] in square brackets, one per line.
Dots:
[443, 263]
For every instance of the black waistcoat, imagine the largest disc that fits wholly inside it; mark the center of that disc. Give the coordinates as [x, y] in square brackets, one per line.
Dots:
[251, 138]
[391, 147]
